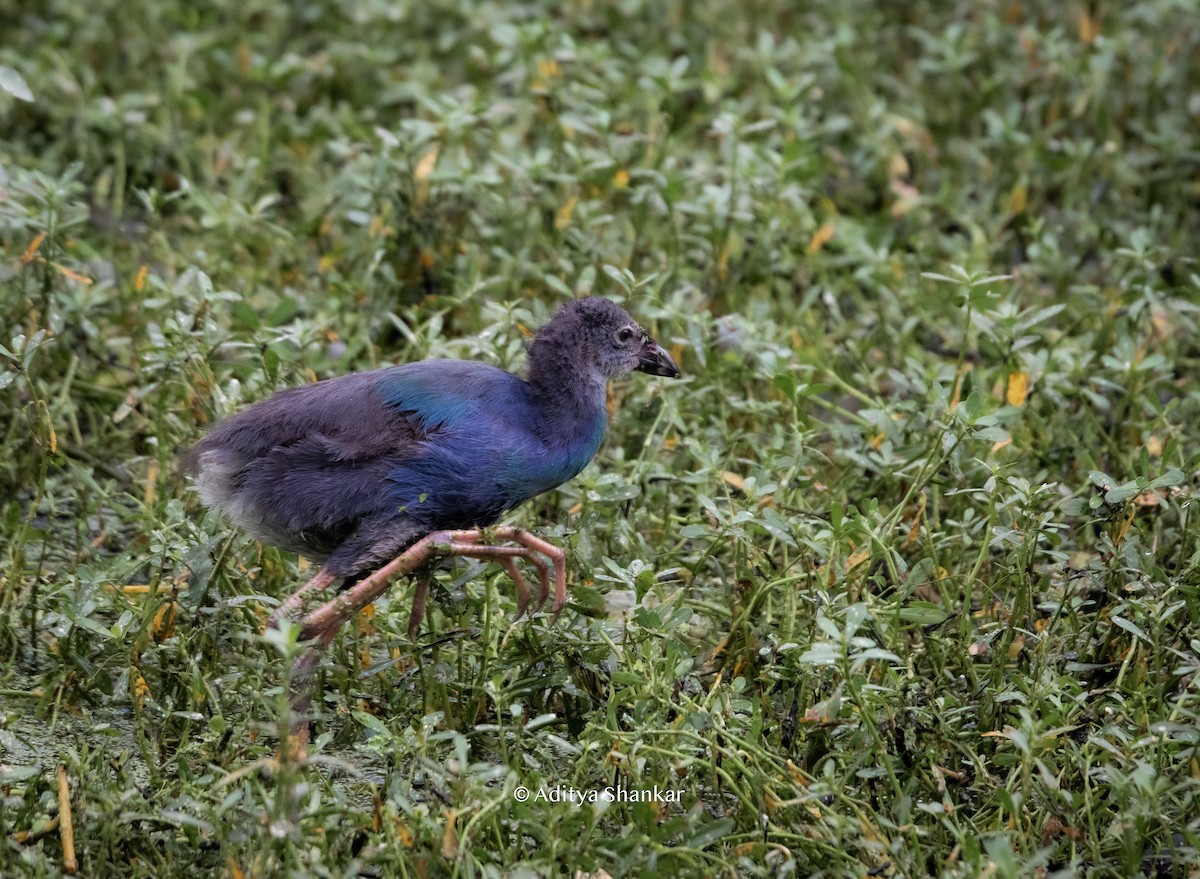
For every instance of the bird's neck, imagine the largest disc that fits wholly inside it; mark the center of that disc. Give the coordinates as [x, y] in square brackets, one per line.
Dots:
[571, 399]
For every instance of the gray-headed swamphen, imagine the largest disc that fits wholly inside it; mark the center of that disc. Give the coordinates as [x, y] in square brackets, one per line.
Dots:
[375, 473]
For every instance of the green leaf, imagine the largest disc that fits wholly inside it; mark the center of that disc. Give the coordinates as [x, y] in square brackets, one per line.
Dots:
[13, 774]
[1122, 493]
[924, 613]
[705, 836]
[372, 723]
[1131, 628]
[992, 435]
[1171, 477]
[13, 83]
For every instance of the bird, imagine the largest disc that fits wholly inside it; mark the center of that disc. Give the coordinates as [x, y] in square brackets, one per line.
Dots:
[374, 474]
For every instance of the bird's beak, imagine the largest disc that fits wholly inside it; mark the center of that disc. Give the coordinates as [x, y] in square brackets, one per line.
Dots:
[654, 360]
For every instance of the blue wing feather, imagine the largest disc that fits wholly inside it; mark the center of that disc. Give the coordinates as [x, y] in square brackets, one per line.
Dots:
[445, 393]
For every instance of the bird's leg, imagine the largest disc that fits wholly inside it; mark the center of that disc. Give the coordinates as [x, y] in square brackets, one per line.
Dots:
[323, 579]
[418, 608]
[337, 610]
[301, 697]
[340, 608]
[323, 623]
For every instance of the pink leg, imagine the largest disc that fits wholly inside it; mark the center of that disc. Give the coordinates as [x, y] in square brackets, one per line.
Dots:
[418, 608]
[324, 622]
[302, 670]
[514, 574]
[320, 581]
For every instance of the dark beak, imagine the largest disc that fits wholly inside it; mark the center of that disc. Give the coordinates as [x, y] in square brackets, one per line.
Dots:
[654, 360]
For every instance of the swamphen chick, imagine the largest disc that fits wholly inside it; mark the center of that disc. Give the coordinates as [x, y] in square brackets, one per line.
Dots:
[395, 463]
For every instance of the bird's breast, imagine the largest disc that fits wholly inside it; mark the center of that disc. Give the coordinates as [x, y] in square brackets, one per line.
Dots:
[542, 464]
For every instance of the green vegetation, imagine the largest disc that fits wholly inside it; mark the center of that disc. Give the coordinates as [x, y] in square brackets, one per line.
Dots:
[900, 580]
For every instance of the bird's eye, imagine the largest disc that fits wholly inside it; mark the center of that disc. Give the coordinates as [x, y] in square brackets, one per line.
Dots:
[624, 335]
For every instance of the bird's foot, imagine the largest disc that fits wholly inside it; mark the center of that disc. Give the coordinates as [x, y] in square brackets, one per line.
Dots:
[529, 547]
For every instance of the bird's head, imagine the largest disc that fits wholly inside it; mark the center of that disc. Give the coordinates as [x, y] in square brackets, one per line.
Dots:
[606, 338]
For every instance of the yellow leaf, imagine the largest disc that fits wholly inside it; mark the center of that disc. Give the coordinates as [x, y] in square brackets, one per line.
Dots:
[366, 623]
[139, 282]
[32, 249]
[620, 179]
[907, 198]
[428, 162]
[563, 218]
[74, 276]
[857, 558]
[1018, 388]
[164, 621]
[876, 441]
[151, 490]
[66, 824]
[450, 836]
[424, 171]
[914, 134]
[1154, 447]
[141, 690]
[733, 480]
[956, 397]
[1089, 28]
[1161, 320]
[1000, 444]
[243, 58]
[405, 833]
[1018, 199]
[915, 531]
[822, 236]
[1015, 648]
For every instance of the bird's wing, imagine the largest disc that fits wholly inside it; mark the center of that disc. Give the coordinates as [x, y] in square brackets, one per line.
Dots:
[364, 415]
[304, 467]
[438, 394]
